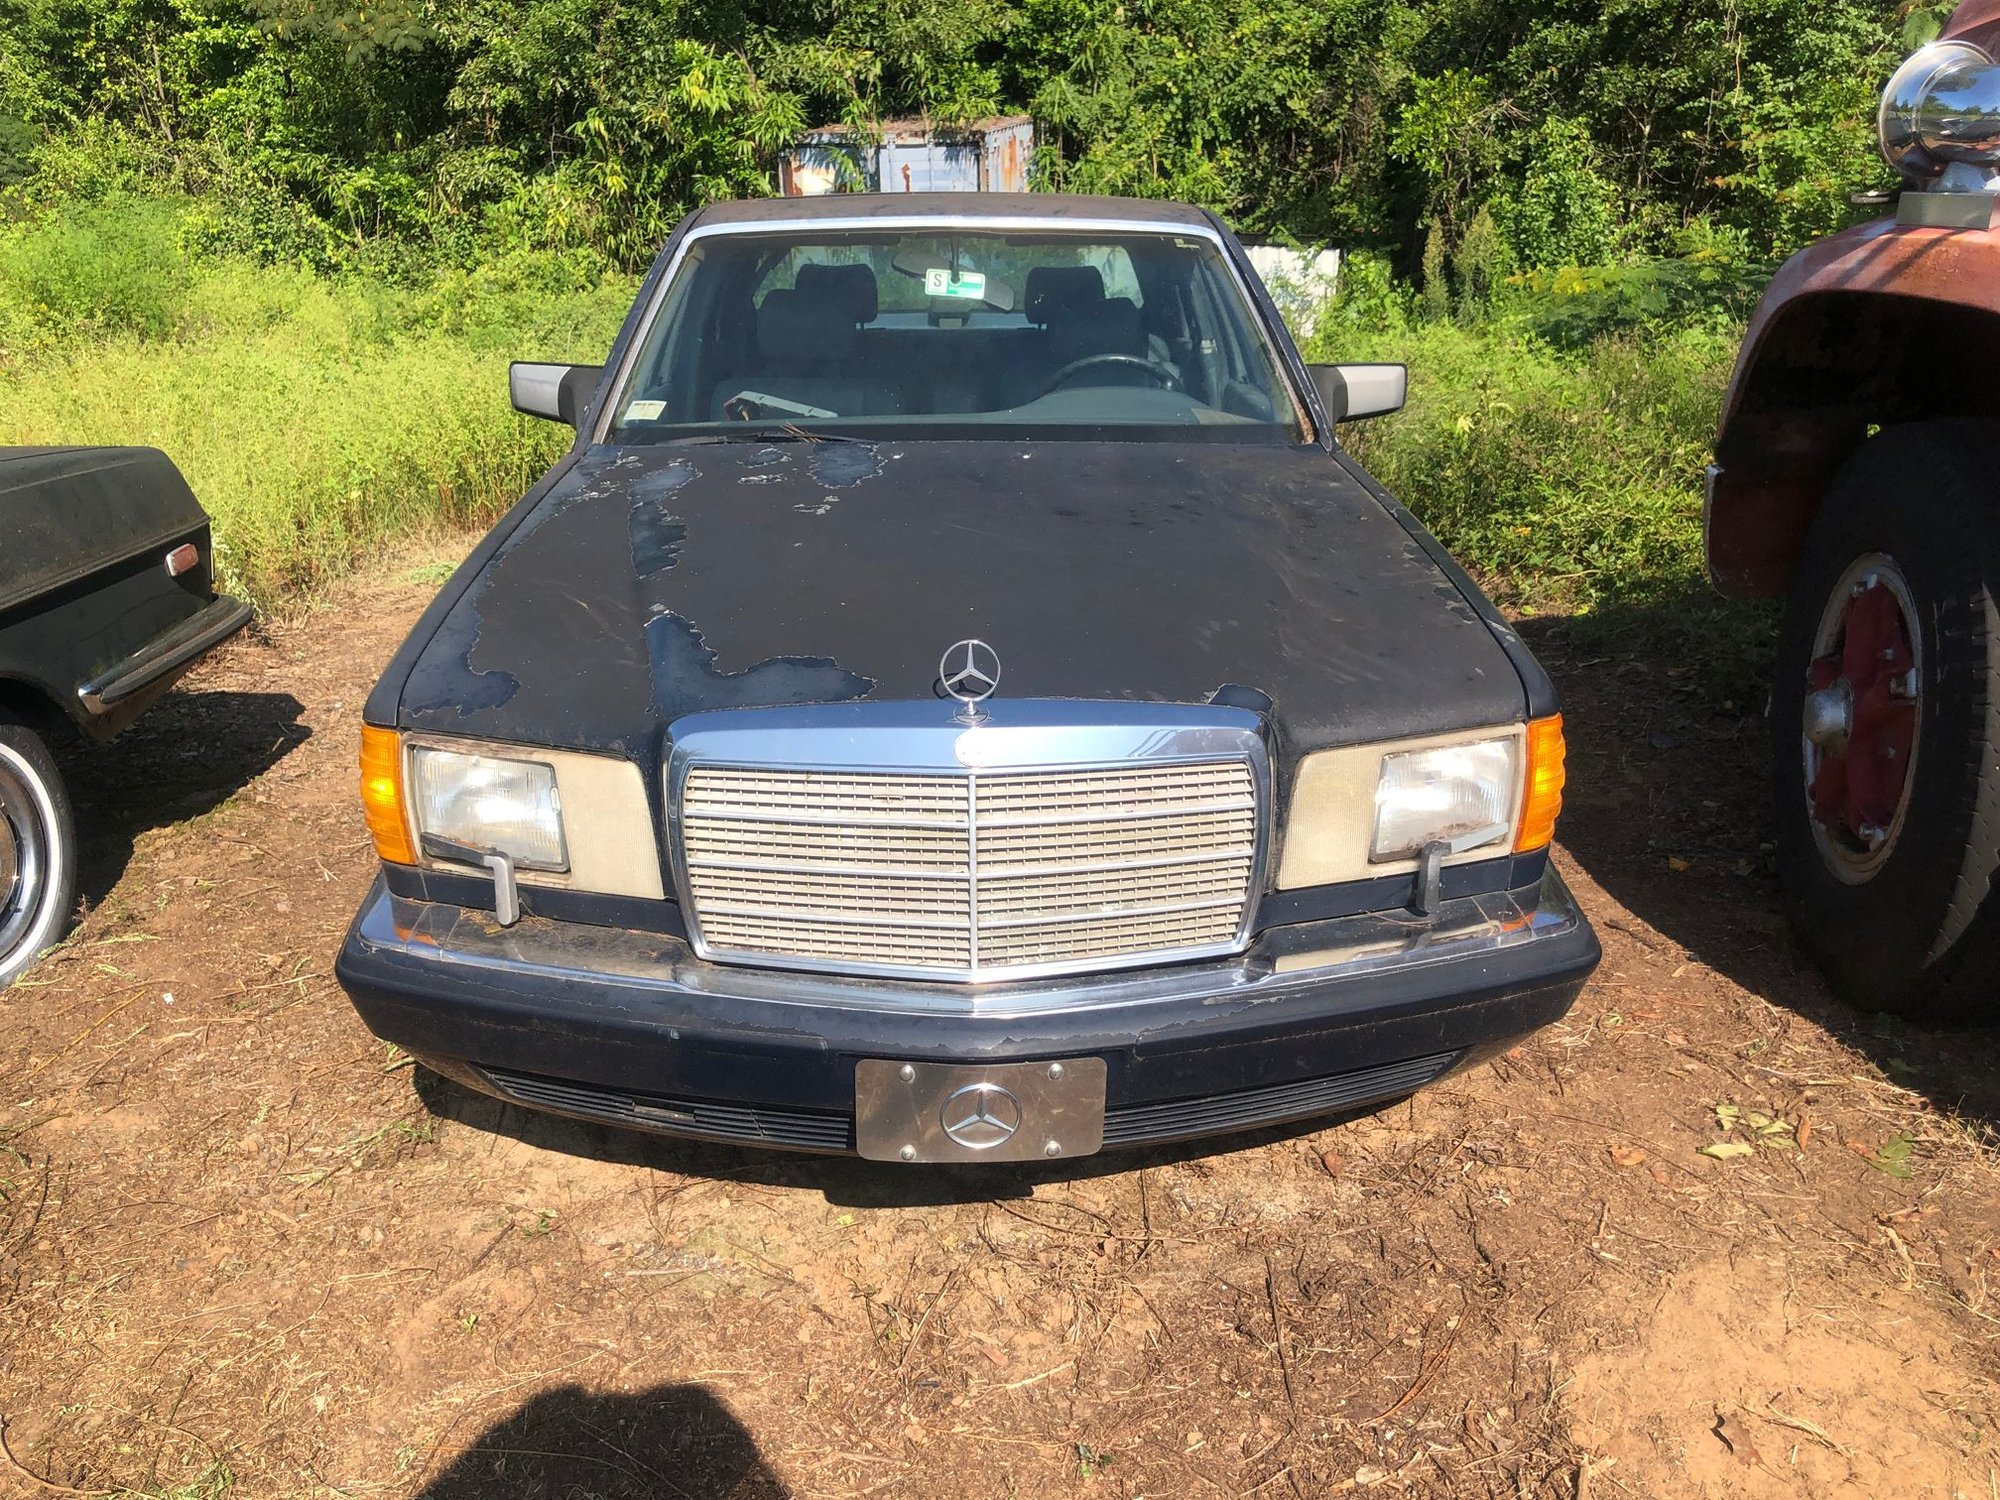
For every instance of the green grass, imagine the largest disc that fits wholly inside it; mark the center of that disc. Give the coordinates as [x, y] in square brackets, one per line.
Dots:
[1568, 481]
[319, 421]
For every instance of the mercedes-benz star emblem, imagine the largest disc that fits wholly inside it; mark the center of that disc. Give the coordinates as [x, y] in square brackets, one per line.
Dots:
[969, 672]
[980, 1116]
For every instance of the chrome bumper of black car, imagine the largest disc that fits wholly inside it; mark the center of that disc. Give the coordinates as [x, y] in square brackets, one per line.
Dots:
[634, 1029]
[157, 662]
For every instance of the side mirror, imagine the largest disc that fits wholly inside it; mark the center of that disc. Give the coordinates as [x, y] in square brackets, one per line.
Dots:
[1351, 392]
[558, 392]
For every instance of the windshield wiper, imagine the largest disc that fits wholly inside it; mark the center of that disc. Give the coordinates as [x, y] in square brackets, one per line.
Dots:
[783, 432]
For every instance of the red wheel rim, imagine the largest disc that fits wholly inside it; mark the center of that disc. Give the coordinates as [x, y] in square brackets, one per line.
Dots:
[1862, 712]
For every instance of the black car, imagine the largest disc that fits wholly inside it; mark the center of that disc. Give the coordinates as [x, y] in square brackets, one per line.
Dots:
[107, 597]
[956, 700]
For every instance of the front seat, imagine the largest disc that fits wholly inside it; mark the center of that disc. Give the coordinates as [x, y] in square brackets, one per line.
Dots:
[1079, 321]
[809, 352]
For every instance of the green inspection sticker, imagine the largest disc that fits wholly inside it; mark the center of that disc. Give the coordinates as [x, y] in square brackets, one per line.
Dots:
[941, 283]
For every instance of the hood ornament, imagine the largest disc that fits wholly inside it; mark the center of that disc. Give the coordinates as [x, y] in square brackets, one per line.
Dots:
[970, 672]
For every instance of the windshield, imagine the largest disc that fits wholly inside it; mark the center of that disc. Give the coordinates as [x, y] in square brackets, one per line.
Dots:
[940, 327]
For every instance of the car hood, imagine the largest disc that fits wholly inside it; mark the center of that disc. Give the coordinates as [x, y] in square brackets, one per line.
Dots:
[652, 582]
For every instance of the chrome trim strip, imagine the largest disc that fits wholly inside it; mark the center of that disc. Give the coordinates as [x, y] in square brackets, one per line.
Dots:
[952, 825]
[1019, 736]
[1124, 815]
[821, 914]
[834, 820]
[992, 872]
[1066, 918]
[969, 223]
[655, 969]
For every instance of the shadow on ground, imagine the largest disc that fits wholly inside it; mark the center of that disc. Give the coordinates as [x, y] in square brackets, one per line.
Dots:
[1668, 808]
[569, 1443]
[191, 752]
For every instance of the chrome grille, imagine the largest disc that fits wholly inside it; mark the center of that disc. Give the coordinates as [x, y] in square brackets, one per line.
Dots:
[969, 874]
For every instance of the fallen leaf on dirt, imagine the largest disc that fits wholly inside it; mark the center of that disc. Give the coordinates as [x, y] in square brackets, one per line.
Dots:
[1804, 1132]
[1736, 1440]
[1368, 1475]
[1894, 1157]
[1725, 1150]
[1628, 1156]
[1772, 1130]
[1768, 1130]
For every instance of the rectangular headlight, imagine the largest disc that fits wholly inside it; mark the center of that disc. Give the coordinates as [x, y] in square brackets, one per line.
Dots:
[491, 803]
[1461, 795]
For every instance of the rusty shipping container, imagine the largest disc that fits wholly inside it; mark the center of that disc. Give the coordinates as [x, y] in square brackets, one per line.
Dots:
[913, 156]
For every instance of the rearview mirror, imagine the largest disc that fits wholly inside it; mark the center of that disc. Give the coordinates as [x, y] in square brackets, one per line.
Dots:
[1351, 392]
[940, 281]
[558, 392]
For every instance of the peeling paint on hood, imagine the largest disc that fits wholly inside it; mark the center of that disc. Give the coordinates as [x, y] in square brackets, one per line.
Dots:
[654, 582]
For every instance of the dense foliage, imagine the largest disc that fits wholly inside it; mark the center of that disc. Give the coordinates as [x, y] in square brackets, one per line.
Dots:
[1558, 211]
[1549, 132]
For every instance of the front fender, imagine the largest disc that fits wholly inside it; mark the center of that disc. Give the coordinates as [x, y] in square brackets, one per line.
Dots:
[1879, 324]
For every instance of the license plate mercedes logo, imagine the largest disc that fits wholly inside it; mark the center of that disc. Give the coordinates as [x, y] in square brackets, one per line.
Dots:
[980, 1116]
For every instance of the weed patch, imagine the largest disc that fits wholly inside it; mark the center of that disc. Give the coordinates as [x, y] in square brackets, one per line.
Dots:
[319, 421]
[1568, 481]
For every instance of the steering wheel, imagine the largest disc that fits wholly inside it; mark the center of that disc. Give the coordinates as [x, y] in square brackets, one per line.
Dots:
[1163, 373]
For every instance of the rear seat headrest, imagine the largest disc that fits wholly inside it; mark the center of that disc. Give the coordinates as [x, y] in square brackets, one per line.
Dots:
[1055, 290]
[794, 328]
[850, 288]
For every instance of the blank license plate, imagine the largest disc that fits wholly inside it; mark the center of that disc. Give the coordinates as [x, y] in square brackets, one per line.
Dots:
[1004, 1112]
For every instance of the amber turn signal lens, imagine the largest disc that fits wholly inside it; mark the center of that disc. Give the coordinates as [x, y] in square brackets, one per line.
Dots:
[1542, 793]
[382, 794]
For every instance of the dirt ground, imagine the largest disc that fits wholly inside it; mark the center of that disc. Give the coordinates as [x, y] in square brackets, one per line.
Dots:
[247, 1251]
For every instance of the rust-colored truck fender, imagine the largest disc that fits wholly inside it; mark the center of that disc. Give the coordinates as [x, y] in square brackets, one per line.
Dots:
[1879, 324]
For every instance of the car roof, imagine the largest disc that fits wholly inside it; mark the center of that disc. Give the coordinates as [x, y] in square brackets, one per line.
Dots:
[1055, 208]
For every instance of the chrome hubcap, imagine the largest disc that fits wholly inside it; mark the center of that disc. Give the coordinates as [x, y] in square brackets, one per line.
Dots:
[1830, 716]
[1863, 707]
[24, 854]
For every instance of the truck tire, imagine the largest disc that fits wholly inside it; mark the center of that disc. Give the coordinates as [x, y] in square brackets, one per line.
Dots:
[1885, 719]
[37, 850]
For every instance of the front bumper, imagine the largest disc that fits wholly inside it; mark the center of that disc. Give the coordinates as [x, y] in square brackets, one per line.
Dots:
[632, 1028]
